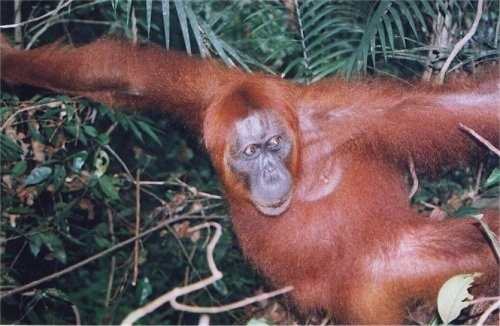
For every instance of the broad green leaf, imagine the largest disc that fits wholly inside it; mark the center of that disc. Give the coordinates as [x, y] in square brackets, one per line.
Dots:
[91, 131]
[78, 160]
[19, 169]
[102, 242]
[9, 150]
[454, 296]
[38, 175]
[103, 139]
[35, 243]
[107, 187]
[55, 245]
[76, 132]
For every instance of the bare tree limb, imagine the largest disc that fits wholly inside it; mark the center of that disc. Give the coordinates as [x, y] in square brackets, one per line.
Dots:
[59, 7]
[137, 225]
[71, 268]
[488, 312]
[481, 139]
[460, 44]
[173, 294]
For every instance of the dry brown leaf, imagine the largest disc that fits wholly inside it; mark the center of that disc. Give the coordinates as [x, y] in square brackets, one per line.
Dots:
[27, 195]
[38, 150]
[87, 205]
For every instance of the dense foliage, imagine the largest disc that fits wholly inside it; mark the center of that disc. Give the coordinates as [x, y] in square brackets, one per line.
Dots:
[77, 178]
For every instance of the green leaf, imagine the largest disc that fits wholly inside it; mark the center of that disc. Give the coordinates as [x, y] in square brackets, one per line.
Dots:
[9, 150]
[35, 133]
[494, 178]
[38, 175]
[181, 14]
[76, 132]
[144, 290]
[454, 296]
[56, 293]
[58, 177]
[165, 11]
[70, 113]
[107, 187]
[135, 130]
[19, 210]
[35, 243]
[78, 160]
[466, 211]
[103, 139]
[220, 287]
[102, 243]
[91, 131]
[55, 245]
[19, 169]
[149, 9]
[148, 130]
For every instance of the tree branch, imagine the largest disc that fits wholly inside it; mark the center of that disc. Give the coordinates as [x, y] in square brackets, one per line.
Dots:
[460, 44]
[96, 256]
[173, 294]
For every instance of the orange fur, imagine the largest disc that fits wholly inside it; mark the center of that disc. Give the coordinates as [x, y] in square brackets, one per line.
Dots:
[349, 242]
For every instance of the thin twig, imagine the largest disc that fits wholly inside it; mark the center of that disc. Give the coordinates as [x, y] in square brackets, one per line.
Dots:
[479, 176]
[176, 292]
[180, 291]
[490, 235]
[96, 256]
[49, 105]
[78, 319]
[231, 306]
[18, 32]
[195, 191]
[487, 313]
[111, 128]
[127, 171]
[484, 299]
[481, 139]
[113, 261]
[150, 193]
[137, 225]
[460, 44]
[414, 178]
[60, 6]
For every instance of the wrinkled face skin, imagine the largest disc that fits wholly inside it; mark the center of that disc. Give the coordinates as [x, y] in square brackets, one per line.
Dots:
[258, 155]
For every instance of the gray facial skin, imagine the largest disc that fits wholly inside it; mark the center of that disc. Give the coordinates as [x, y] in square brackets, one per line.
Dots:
[259, 154]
